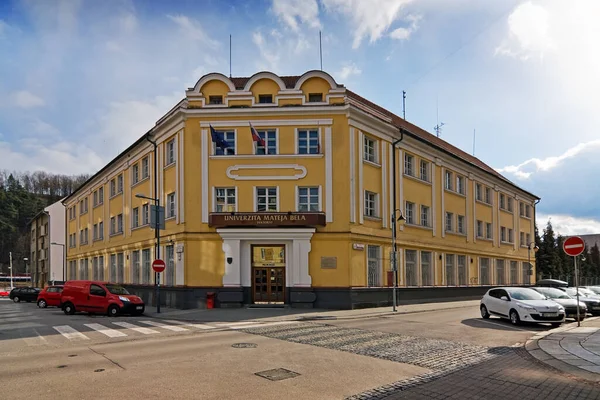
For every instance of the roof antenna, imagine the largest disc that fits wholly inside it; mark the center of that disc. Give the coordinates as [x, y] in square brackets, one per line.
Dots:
[320, 51]
[404, 105]
[438, 127]
[230, 55]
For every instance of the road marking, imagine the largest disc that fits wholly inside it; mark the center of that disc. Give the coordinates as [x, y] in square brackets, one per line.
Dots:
[233, 324]
[20, 326]
[265, 324]
[145, 331]
[165, 326]
[505, 326]
[199, 326]
[106, 331]
[70, 333]
[35, 340]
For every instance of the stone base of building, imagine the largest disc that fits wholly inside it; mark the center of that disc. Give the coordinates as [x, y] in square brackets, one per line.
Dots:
[321, 298]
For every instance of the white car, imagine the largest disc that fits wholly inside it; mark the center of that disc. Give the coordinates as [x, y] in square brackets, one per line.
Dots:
[521, 304]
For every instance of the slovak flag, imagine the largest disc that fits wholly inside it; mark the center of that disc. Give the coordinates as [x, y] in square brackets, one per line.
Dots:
[255, 136]
[218, 139]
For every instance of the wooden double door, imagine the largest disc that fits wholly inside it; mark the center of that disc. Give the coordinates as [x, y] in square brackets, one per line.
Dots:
[268, 274]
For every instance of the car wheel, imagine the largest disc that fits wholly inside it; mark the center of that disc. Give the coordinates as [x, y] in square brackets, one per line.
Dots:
[514, 317]
[69, 309]
[42, 304]
[484, 312]
[113, 311]
[16, 299]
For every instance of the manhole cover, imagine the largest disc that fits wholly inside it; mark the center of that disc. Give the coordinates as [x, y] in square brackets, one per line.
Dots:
[62, 366]
[99, 370]
[244, 345]
[277, 374]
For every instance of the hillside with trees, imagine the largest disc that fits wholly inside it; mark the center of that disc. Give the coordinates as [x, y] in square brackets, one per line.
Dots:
[22, 196]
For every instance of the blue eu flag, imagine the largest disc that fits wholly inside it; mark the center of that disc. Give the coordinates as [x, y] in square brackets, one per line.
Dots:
[217, 139]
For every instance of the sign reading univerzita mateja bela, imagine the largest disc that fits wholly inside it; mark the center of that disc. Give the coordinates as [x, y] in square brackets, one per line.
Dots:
[266, 219]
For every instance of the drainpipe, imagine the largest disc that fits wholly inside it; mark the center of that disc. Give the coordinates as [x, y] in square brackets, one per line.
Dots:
[395, 265]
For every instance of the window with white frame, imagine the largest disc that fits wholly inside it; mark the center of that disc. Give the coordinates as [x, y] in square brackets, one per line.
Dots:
[100, 230]
[113, 268]
[370, 149]
[410, 258]
[461, 266]
[409, 167]
[426, 269]
[499, 272]
[371, 209]
[101, 268]
[424, 171]
[95, 198]
[503, 234]
[502, 201]
[101, 196]
[120, 223]
[514, 273]
[145, 167]
[478, 192]
[146, 266]
[525, 272]
[449, 181]
[270, 138]
[225, 199]
[489, 231]
[229, 137]
[113, 187]
[511, 238]
[170, 150]
[86, 234]
[266, 199]
[373, 266]
[308, 199]
[135, 217]
[460, 224]
[480, 229]
[449, 222]
[488, 195]
[145, 214]
[95, 232]
[95, 268]
[135, 174]
[450, 271]
[522, 239]
[484, 271]
[510, 204]
[425, 211]
[410, 212]
[170, 267]
[120, 183]
[171, 209]
[135, 266]
[527, 211]
[528, 238]
[460, 184]
[120, 268]
[522, 209]
[308, 141]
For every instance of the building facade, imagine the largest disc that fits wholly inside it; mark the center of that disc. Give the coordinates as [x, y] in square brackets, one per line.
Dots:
[47, 262]
[280, 190]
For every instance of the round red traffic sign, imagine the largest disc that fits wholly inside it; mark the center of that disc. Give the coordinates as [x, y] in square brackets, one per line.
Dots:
[574, 246]
[158, 265]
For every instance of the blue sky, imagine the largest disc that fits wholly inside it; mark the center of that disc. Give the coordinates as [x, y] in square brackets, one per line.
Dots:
[80, 80]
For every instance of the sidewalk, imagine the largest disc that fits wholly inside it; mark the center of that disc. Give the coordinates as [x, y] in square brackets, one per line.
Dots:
[295, 314]
[571, 349]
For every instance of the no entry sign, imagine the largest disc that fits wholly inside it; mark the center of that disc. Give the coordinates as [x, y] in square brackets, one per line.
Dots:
[158, 265]
[574, 246]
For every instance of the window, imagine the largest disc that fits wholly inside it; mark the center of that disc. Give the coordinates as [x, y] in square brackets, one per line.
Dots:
[171, 209]
[101, 195]
[425, 216]
[409, 164]
[502, 201]
[113, 268]
[450, 272]
[460, 184]
[502, 234]
[135, 266]
[308, 199]
[81, 236]
[510, 204]
[499, 272]
[514, 275]
[170, 268]
[449, 222]
[135, 174]
[95, 233]
[86, 235]
[460, 222]
[370, 149]
[449, 181]
[135, 217]
[229, 137]
[145, 167]
[113, 225]
[424, 171]
[120, 223]
[426, 269]
[266, 199]
[525, 272]
[120, 268]
[95, 198]
[410, 213]
[484, 271]
[145, 214]
[461, 264]
[101, 268]
[522, 209]
[170, 156]
[146, 266]
[225, 200]
[315, 97]
[100, 230]
[83, 269]
[270, 138]
[265, 98]
[488, 231]
[96, 290]
[215, 99]
[522, 239]
[488, 195]
[371, 204]
[528, 238]
[511, 238]
[478, 193]
[527, 210]
[480, 229]
[73, 270]
[308, 141]
[374, 266]
[411, 268]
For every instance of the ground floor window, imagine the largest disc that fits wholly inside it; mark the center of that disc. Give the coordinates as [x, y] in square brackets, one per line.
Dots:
[525, 273]
[514, 276]
[374, 266]
[426, 269]
[113, 268]
[95, 268]
[101, 268]
[461, 265]
[411, 268]
[170, 269]
[450, 271]
[146, 266]
[484, 271]
[499, 272]
[83, 269]
[135, 266]
[72, 270]
[120, 268]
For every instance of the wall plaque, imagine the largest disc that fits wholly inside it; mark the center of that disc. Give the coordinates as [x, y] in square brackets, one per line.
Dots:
[328, 262]
[358, 246]
[266, 220]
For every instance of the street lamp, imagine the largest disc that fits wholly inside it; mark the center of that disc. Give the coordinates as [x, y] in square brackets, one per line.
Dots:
[64, 259]
[531, 246]
[394, 257]
[25, 259]
[157, 236]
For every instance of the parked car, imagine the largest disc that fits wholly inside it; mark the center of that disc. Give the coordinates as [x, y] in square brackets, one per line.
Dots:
[568, 302]
[595, 289]
[49, 296]
[592, 303]
[27, 294]
[4, 292]
[99, 297]
[555, 283]
[521, 305]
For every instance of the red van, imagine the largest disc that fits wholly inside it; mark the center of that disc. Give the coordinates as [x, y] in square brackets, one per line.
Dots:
[49, 296]
[99, 297]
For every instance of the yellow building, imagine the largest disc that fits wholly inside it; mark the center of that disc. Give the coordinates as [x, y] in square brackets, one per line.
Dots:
[301, 216]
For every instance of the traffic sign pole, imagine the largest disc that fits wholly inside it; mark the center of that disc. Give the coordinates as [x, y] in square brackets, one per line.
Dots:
[576, 287]
[574, 246]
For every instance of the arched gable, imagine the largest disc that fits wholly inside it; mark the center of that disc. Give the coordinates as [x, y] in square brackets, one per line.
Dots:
[264, 75]
[212, 77]
[316, 74]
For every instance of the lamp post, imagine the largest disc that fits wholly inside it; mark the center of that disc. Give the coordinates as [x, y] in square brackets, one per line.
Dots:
[531, 246]
[157, 247]
[25, 259]
[394, 257]
[64, 279]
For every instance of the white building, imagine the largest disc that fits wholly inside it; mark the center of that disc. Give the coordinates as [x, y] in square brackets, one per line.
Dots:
[47, 262]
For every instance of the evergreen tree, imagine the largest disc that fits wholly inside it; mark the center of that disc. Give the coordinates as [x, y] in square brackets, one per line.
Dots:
[547, 257]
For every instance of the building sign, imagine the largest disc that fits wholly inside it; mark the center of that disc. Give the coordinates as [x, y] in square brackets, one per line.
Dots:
[266, 219]
[328, 262]
[358, 246]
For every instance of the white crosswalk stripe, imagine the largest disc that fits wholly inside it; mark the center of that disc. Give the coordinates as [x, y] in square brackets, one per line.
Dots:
[70, 333]
[263, 325]
[139, 329]
[198, 326]
[112, 333]
[165, 326]
[234, 324]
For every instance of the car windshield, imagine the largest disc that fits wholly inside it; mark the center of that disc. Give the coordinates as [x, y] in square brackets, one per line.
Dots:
[587, 292]
[573, 292]
[596, 290]
[525, 294]
[552, 293]
[114, 289]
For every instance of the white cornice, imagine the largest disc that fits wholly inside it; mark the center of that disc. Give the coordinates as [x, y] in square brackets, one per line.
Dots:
[268, 123]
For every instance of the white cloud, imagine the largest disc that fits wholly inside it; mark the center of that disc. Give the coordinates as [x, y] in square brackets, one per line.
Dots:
[269, 55]
[295, 12]
[193, 30]
[368, 18]
[44, 129]
[26, 99]
[404, 33]
[567, 225]
[348, 70]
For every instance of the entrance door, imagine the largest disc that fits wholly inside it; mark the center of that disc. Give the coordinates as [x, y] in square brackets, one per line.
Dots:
[268, 274]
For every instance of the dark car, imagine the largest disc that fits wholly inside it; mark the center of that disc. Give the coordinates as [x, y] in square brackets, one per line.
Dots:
[592, 303]
[555, 283]
[27, 294]
[565, 300]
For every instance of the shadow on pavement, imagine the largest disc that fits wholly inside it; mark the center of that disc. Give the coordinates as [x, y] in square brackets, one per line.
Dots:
[503, 325]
